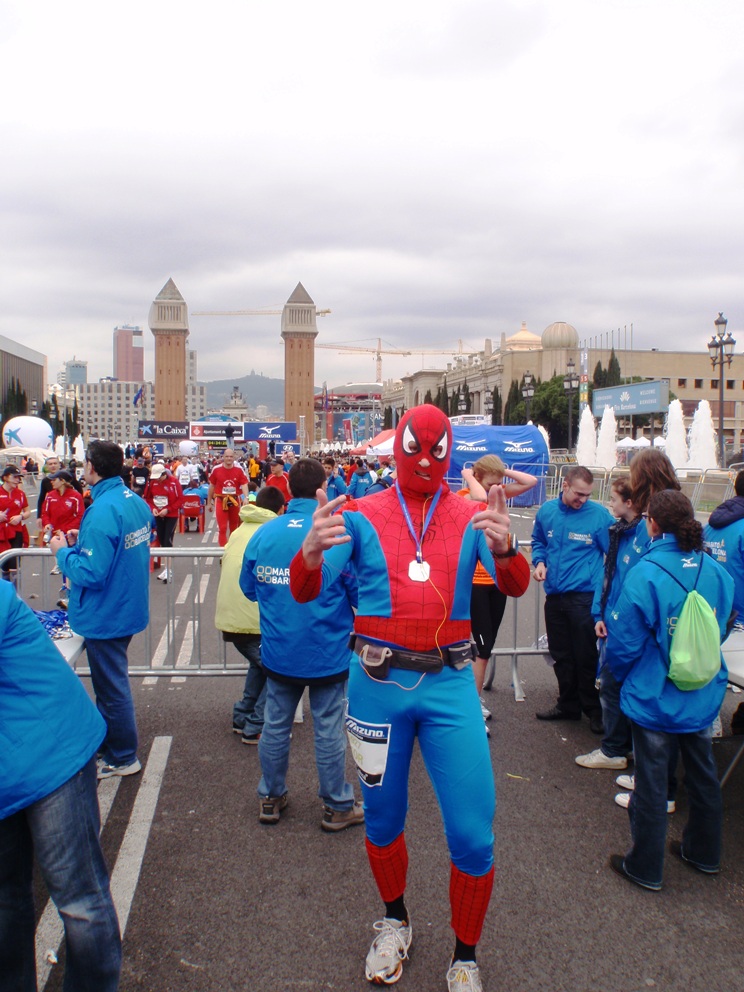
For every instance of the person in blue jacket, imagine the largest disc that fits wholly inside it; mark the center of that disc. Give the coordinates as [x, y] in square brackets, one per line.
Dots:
[724, 540]
[570, 537]
[628, 540]
[335, 482]
[663, 717]
[108, 568]
[364, 476]
[49, 734]
[301, 645]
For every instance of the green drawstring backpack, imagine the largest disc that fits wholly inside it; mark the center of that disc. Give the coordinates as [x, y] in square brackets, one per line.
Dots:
[695, 651]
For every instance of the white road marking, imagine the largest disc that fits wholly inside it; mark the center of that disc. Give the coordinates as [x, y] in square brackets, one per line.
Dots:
[184, 590]
[126, 872]
[50, 932]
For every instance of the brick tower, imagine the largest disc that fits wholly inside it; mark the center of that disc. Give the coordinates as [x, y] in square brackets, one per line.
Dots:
[299, 331]
[169, 323]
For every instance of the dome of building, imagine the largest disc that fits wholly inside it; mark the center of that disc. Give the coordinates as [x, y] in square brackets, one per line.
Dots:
[523, 340]
[560, 335]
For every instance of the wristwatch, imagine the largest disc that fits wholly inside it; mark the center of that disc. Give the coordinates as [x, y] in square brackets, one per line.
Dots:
[511, 552]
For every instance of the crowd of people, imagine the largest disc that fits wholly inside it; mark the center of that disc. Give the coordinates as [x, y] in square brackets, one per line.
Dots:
[404, 584]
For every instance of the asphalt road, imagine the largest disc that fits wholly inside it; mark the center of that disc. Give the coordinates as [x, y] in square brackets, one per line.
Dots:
[215, 902]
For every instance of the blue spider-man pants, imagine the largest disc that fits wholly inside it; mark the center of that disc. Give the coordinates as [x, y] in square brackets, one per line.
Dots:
[443, 711]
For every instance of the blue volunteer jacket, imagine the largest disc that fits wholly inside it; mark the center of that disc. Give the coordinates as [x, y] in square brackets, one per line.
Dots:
[572, 544]
[301, 641]
[634, 542]
[725, 542]
[639, 634]
[49, 728]
[108, 566]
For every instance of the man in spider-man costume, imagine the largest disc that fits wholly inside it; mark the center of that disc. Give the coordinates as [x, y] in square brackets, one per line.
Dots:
[414, 548]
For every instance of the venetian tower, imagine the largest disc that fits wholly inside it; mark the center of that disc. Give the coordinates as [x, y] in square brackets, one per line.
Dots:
[299, 331]
[169, 323]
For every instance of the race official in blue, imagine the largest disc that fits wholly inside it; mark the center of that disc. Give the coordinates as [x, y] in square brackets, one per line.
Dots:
[49, 734]
[663, 717]
[335, 484]
[570, 538]
[724, 540]
[301, 645]
[108, 567]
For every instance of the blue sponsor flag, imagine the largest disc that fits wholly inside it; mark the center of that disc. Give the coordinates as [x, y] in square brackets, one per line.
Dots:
[138, 395]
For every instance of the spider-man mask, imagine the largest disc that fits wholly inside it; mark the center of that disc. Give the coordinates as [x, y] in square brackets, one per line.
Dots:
[423, 442]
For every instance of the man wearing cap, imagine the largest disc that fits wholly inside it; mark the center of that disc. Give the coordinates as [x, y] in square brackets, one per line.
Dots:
[140, 476]
[62, 510]
[278, 477]
[108, 563]
[164, 495]
[228, 488]
[14, 511]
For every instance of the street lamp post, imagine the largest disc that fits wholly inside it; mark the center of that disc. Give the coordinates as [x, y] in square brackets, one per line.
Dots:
[721, 351]
[570, 385]
[528, 391]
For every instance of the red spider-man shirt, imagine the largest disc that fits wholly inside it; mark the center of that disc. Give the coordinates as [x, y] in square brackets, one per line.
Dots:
[393, 608]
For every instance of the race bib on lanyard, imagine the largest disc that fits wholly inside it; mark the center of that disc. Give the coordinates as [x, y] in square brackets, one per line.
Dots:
[160, 502]
[228, 489]
[369, 744]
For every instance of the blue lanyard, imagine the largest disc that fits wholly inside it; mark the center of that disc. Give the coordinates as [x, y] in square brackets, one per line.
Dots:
[418, 541]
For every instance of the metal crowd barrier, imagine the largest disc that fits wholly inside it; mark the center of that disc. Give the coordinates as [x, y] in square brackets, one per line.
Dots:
[181, 640]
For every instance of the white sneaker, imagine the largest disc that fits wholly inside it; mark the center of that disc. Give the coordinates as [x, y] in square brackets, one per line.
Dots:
[109, 771]
[626, 782]
[484, 709]
[464, 976]
[384, 964]
[598, 759]
[623, 799]
[163, 577]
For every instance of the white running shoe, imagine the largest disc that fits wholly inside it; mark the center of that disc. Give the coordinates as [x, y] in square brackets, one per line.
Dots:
[598, 759]
[626, 782]
[464, 976]
[389, 950]
[484, 709]
[623, 799]
[163, 577]
[106, 770]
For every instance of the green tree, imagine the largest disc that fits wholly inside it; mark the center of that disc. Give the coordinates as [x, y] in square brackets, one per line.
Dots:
[512, 413]
[468, 398]
[55, 420]
[614, 375]
[387, 418]
[427, 397]
[600, 376]
[498, 406]
[445, 397]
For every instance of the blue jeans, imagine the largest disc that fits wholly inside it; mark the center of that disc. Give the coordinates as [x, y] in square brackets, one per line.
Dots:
[701, 839]
[248, 713]
[61, 830]
[109, 673]
[327, 704]
[616, 741]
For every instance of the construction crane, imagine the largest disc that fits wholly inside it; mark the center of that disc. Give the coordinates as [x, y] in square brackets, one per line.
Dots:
[379, 351]
[246, 313]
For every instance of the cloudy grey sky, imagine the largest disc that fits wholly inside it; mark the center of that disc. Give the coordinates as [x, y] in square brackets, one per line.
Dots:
[430, 171]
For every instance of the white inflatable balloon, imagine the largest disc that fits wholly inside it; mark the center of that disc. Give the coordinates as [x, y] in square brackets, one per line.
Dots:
[188, 448]
[27, 432]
